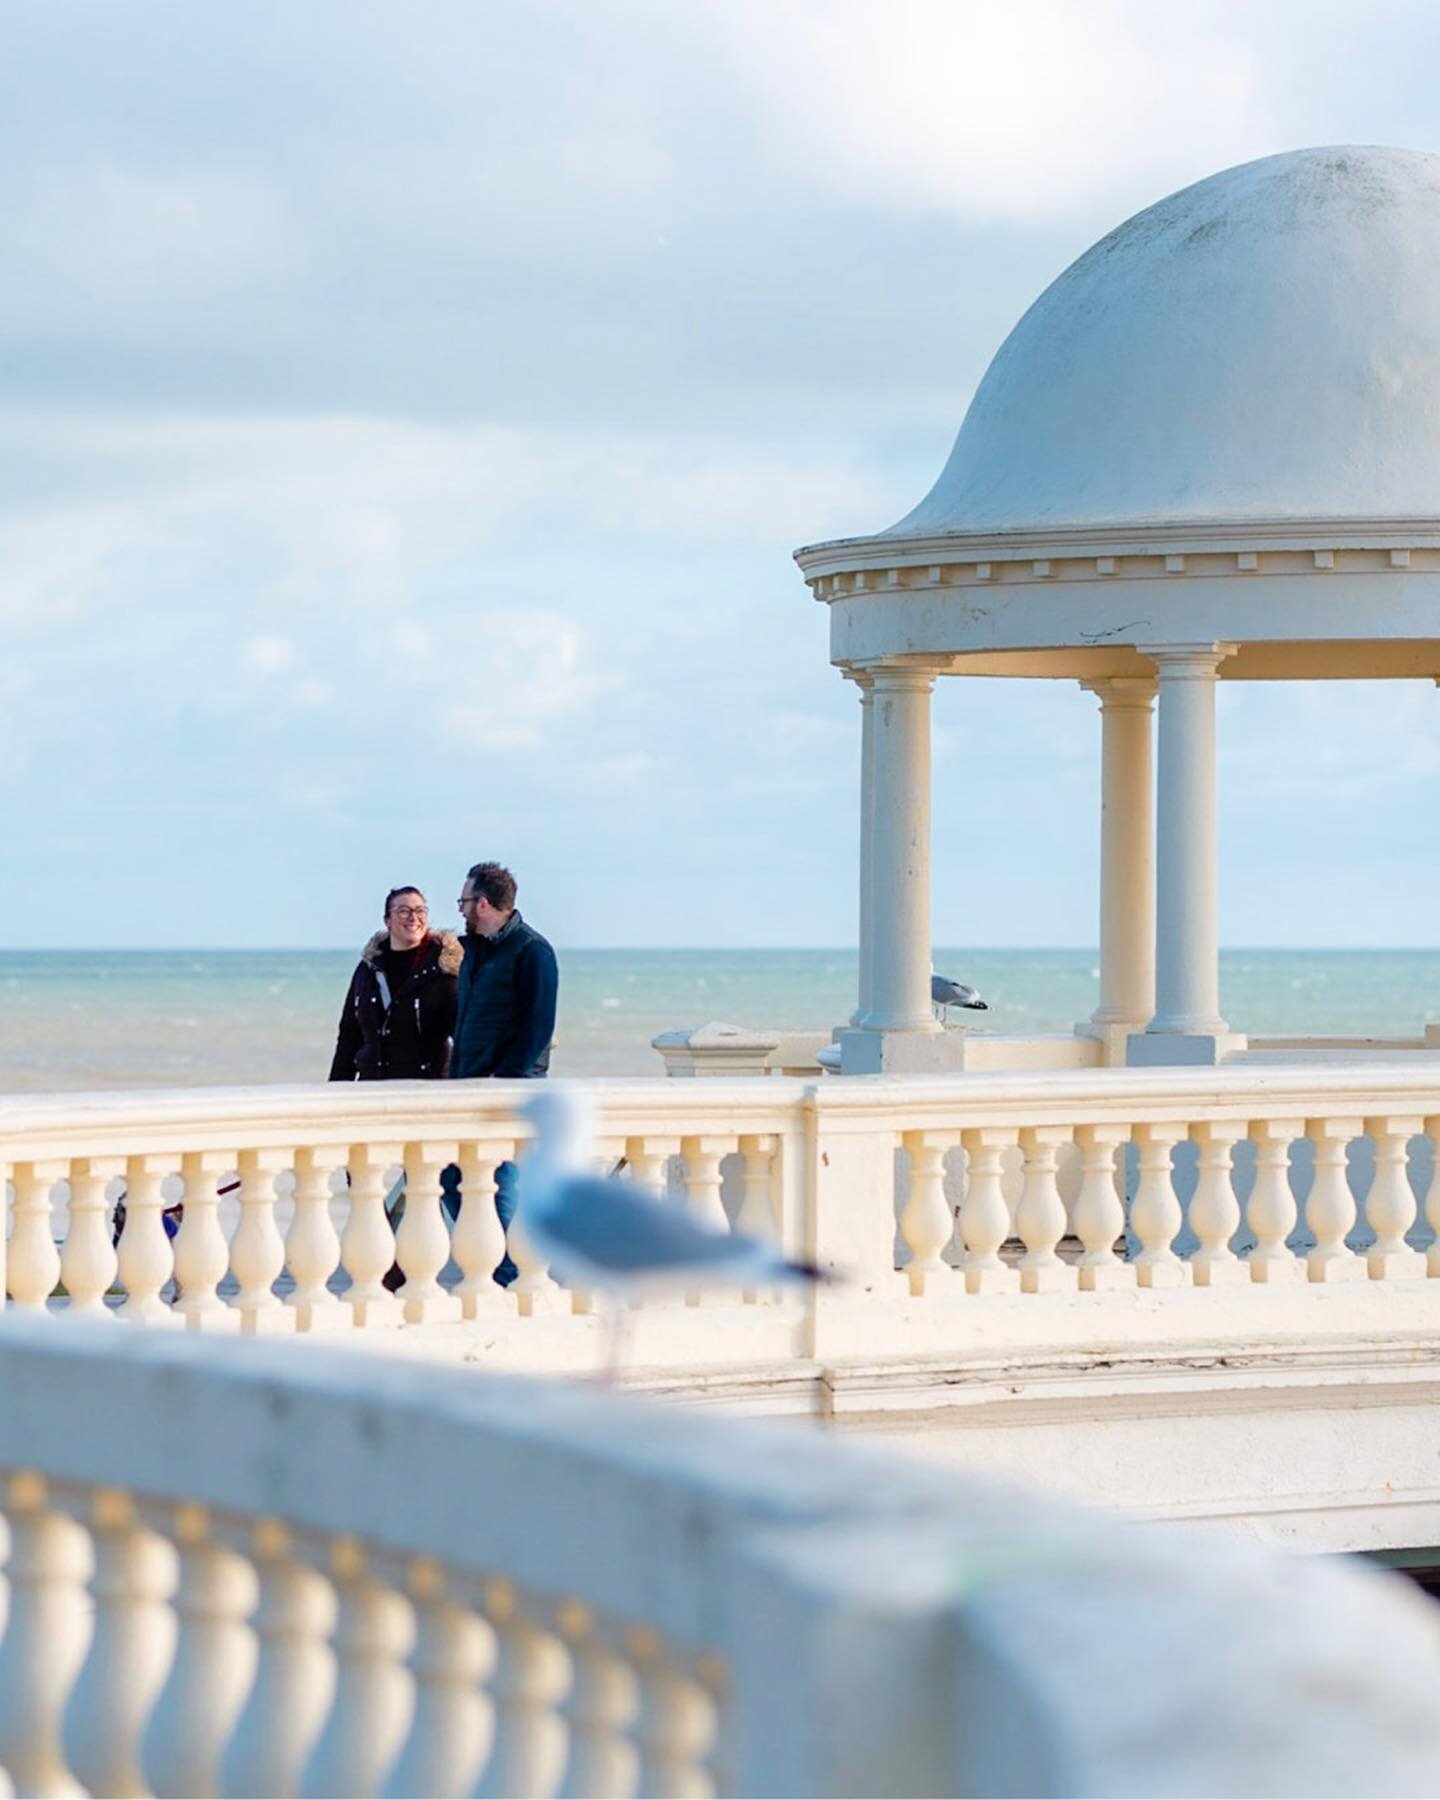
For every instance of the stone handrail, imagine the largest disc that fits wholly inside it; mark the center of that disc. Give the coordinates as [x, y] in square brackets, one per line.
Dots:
[1087, 1184]
[237, 1571]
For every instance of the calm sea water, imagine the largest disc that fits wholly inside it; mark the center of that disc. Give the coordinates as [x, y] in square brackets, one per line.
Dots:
[78, 1019]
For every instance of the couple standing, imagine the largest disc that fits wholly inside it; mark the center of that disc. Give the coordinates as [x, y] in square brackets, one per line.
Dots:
[423, 1004]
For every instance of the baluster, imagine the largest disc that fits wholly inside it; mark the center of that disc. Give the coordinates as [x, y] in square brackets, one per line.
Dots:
[606, 1152]
[6, 1176]
[1390, 1204]
[528, 1750]
[34, 1260]
[212, 1668]
[1099, 1215]
[1271, 1210]
[1214, 1210]
[88, 1263]
[985, 1213]
[1330, 1210]
[1040, 1216]
[451, 1729]
[373, 1689]
[478, 1241]
[927, 1224]
[130, 1649]
[312, 1247]
[1155, 1215]
[45, 1641]
[647, 1157]
[599, 1759]
[146, 1260]
[422, 1244]
[676, 1725]
[294, 1671]
[533, 1289]
[702, 1196]
[201, 1254]
[759, 1215]
[1432, 1196]
[257, 1251]
[368, 1248]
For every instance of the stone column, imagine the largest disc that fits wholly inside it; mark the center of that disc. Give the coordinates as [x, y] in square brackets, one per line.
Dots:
[864, 681]
[900, 852]
[1187, 952]
[1127, 863]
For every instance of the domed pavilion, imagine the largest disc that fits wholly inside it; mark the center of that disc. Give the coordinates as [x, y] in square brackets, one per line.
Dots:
[1210, 451]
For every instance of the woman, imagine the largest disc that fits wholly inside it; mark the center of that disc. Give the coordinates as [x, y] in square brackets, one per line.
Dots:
[399, 1014]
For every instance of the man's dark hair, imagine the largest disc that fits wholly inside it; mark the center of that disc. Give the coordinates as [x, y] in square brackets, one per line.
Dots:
[395, 894]
[495, 883]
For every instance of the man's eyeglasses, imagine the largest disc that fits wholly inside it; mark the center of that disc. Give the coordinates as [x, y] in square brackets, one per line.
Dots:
[466, 900]
[411, 912]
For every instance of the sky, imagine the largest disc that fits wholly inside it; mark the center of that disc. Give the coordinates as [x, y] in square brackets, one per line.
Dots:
[408, 412]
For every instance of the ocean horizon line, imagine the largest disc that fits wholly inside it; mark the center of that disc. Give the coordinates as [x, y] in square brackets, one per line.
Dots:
[1289, 949]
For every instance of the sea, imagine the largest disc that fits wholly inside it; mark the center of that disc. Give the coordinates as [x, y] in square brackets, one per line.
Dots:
[79, 1019]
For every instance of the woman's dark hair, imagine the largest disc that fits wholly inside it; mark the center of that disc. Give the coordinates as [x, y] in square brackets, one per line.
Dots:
[395, 894]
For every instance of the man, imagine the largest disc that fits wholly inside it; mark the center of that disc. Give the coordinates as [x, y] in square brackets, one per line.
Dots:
[505, 1010]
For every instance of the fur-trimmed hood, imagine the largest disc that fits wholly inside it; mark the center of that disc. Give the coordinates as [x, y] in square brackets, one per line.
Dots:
[452, 953]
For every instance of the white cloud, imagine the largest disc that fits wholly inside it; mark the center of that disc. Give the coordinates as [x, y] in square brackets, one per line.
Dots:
[269, 653]
[1021, 111]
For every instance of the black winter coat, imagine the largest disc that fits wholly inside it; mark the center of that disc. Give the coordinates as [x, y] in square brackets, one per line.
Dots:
[409, 1039]
[506, 1014]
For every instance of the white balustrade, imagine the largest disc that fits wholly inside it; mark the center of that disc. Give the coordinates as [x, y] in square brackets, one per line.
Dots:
[1271, 1213]
[257, 1251]
[146, 1259]
[1214, 1210]
[45, 1639]
[703, 1155]
[758, 1216]
[34, 1264]
[927, 1224]
[130, 1649]
[1432, 1197]
[201, 1254]
[1155, 1215]
[213, 1666]
[374, 1693]
[1390, 1204]
[478, 1241]
[285, 1709]
[610, 1601]
[531, 1673]
[88, 1264]
[1330, 1209]
[984, 1214]
[1099, 1215]
[1040, 1217]
[422, 1244]
[368, 1247]
[312, 1246]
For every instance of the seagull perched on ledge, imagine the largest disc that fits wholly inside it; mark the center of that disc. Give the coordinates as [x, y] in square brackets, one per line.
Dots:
[945, 993]
[611, 1236]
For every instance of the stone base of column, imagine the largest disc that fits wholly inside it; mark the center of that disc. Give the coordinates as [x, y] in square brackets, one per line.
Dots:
[866, 1052]
[1173, 1049]
[1113, 1035]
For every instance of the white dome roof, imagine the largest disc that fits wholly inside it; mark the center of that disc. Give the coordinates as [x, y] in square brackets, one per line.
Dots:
[1262, 346]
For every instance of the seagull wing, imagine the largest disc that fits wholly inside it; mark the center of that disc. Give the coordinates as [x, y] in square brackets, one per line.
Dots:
[624, 1235]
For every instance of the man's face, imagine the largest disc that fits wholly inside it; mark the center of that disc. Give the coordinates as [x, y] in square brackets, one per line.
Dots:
[407, 920]
[479, 915]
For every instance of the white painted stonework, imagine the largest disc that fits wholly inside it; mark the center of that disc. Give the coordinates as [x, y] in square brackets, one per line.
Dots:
[1216, 433]
[1263, 1346]
[236, 1569]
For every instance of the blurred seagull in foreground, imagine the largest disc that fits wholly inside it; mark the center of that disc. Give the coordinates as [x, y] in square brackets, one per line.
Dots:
[613, 1237]
[945, 993]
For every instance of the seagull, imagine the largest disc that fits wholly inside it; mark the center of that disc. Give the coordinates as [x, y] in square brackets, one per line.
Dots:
[611, 1236]
[945, 993]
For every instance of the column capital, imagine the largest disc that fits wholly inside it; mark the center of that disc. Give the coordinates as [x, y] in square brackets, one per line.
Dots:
[903, 678]
[864, 679]
[1121, 692]
[1186, 662]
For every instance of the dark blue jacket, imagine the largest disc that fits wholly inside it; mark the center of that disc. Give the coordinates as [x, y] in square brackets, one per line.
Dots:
[505, 1009]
